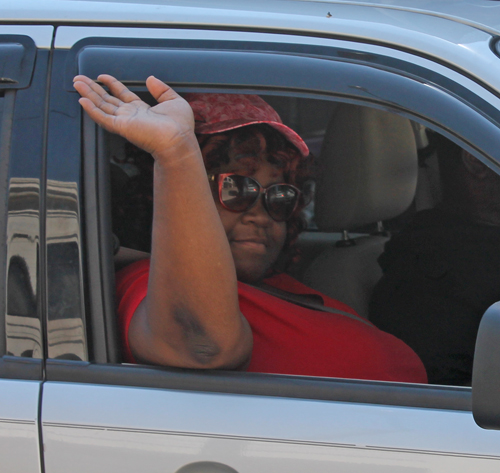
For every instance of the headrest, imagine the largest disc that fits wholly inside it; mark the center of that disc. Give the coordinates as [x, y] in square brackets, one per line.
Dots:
[367, 168]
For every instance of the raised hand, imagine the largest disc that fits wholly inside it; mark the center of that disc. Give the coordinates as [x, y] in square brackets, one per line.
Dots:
[155, 129]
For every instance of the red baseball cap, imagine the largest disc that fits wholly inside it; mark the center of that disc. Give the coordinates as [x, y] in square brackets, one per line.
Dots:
[215, 113]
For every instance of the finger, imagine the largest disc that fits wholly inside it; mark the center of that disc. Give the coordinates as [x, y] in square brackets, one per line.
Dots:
[84, 85]
[118, 89]
[88, 87]
[100, 117]
[91, 84]
[159, 90]
[82, 78]
[98, 96]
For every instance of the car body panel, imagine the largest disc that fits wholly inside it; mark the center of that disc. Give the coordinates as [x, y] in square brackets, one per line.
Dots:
[41, 34]
[433, 36]
[146, 428]
[19, 434]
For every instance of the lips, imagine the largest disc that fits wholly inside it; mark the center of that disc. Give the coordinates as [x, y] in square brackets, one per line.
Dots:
[261, 241]
[252, 244]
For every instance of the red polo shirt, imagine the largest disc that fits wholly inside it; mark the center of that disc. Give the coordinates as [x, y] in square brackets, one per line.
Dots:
[290, 339]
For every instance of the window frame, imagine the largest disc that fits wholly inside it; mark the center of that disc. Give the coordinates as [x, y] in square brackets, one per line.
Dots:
[84, 58]
[5, 134]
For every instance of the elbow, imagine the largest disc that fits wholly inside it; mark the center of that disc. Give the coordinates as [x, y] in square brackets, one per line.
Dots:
[204, 354]
[205, 351]
[197, 354]
[209, 355]
[189, 344]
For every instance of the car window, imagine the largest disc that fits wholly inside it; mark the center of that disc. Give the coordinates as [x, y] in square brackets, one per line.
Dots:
[23, 98]
[303, 92]
[357, 255]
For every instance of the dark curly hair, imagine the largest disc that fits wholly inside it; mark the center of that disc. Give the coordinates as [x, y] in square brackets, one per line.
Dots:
[264, 142]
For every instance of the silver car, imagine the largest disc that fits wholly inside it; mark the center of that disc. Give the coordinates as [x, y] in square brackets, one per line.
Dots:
[68, 404]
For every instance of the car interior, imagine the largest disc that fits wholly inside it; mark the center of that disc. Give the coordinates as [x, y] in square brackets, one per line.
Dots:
[375, 169]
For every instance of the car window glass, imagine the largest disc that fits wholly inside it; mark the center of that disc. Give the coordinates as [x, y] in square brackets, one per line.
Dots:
[21, 163]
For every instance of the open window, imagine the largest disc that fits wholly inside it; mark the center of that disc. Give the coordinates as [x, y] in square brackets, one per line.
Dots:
[308, 92]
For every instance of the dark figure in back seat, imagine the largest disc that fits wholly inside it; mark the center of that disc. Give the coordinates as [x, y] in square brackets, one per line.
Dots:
[443, 270]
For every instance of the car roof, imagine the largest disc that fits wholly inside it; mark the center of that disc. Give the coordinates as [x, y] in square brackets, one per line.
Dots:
[459, 34]
[484, 14]
[481, 14]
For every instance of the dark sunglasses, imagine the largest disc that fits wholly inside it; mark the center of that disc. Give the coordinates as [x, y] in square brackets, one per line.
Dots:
[241, 193]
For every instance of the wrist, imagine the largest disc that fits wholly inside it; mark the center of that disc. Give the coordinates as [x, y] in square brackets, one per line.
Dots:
[185, 148]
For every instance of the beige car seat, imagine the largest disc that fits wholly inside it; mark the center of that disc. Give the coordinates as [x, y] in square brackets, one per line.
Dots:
[367, 173]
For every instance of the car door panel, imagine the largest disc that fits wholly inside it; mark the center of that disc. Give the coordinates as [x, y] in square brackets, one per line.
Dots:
[129, 428]
[19, 443]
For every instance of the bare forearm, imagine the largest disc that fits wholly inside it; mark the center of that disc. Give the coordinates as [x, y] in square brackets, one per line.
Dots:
[191, 316]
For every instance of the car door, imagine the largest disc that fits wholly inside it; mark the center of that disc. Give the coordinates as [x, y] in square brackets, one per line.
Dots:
[98, 414]
[24, 55]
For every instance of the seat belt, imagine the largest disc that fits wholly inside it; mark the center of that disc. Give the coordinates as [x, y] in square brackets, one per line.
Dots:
[309, 301]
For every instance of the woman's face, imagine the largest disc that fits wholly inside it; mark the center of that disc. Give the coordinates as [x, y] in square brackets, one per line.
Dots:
[256, 240]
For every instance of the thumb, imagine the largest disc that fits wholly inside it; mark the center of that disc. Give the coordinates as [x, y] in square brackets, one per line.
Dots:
[159, 90]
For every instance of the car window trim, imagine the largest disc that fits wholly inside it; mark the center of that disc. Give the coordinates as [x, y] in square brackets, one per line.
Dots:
[382, 61]
[14, 367]
[366, 74]
[454, 398]
[99, 261]
[6, 123]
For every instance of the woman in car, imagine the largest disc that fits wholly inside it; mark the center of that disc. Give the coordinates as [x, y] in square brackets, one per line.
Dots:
[200, 302]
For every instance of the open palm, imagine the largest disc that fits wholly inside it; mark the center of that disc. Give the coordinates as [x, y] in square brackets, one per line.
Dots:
[153, 129]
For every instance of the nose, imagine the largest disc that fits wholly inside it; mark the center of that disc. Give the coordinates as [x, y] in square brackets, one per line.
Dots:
[258, 214]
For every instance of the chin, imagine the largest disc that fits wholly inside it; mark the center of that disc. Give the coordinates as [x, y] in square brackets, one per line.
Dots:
[251, 274]
[251, 269]
[249, 277]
